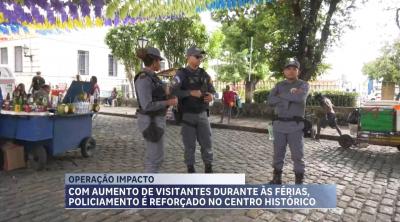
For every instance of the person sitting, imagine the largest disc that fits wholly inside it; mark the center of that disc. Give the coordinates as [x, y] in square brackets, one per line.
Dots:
[330, 116]
[112, 97]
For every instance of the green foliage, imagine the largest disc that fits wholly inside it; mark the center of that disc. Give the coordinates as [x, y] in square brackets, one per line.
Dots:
[261, 96]
[119, 94]
[214, 45]
[238, 28]
[338, 98]
[287, 29]
[386, 66]
[122, 41]
[173, 37]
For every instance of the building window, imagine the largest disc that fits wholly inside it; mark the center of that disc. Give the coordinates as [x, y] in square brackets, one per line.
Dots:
[4, 55]
[83, 62]
[18, 59]
[112, 66]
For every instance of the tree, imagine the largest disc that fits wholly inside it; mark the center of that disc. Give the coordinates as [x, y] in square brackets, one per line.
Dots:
[123, 44]
[173, 37]
[382, 68]
[386, 67]
[238, 27]
[301, 29]
[214, 45]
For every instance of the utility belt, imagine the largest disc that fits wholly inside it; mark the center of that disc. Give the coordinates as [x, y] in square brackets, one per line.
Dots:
[161, 112]
[153, 133]
[307, 130]
[296, 119]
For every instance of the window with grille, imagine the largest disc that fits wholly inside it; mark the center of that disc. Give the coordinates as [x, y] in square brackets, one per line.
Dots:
[4, 55]
[83, 62]
[112, 66]
[18, 59]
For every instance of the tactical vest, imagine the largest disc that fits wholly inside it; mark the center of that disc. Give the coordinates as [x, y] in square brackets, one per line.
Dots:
[157, 94]
[194, 81]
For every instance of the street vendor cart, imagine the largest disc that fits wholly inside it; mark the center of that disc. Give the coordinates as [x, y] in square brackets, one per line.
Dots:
[46, 134]
[378, 124]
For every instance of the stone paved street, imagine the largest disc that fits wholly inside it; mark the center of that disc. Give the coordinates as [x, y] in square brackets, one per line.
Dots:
[368, 179]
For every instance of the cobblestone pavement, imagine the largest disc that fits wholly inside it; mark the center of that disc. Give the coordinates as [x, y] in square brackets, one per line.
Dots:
[367, 179]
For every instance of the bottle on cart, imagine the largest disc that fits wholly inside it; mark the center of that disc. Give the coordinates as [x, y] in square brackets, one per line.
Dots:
[16, 103]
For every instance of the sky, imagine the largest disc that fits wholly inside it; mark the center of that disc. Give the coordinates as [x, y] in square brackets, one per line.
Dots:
[374, 26]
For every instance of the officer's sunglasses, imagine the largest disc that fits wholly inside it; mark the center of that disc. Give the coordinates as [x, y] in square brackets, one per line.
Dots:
[199, 57]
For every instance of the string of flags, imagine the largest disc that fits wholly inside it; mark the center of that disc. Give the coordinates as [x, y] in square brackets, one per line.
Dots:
[49, 16]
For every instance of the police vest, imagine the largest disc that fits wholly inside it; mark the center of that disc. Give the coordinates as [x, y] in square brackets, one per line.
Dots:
[194, 81]
[157, 94]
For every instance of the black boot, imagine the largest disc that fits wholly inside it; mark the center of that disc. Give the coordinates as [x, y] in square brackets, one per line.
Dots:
[191, 169]
[208, 168]
[277, 179]
[299, 178]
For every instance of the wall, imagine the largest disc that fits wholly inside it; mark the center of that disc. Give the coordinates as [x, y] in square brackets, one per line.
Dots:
[56, 56]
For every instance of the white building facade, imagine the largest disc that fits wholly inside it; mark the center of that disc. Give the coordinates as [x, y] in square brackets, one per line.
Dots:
[60, 57]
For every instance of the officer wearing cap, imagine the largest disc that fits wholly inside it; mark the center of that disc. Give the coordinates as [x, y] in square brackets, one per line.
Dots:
[194, 89]
[152, 100]
[289, 99]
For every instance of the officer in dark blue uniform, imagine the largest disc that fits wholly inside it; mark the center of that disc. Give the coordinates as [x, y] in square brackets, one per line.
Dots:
[195, 91]
[153, 103]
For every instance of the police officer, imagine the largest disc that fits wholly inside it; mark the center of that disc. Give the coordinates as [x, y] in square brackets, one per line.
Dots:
[153, 103]
[194, 89]
[289, 99]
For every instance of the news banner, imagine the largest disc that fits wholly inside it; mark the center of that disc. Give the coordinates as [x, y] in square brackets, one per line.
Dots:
[192, 191]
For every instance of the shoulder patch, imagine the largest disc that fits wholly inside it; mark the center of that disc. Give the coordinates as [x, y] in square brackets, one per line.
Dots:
[175, 81]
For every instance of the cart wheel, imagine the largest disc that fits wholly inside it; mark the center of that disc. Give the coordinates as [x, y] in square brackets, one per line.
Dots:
[346, 141]
[88, 146]
[37, 157]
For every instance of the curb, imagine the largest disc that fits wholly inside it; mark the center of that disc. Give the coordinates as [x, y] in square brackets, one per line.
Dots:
[118, 114]
[221, 126]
